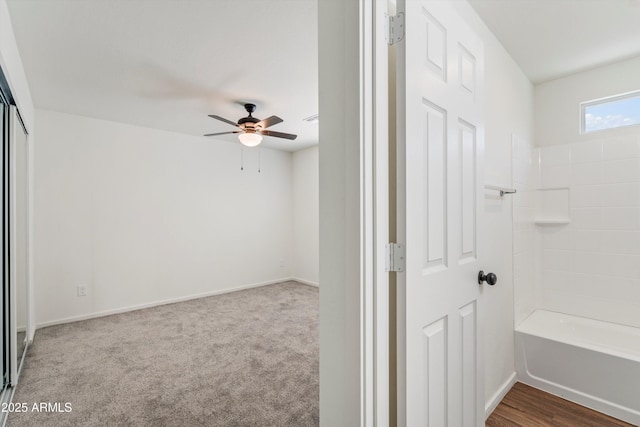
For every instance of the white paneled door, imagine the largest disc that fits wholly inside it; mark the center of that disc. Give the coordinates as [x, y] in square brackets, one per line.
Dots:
[440, 122]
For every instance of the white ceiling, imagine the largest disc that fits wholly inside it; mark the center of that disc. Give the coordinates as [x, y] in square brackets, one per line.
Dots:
[167, 64]
[555, 38]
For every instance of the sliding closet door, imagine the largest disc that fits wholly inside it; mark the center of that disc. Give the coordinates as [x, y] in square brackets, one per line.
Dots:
[4, 249]
[18, 151]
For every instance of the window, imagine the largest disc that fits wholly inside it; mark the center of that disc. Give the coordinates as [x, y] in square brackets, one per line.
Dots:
[611, 112]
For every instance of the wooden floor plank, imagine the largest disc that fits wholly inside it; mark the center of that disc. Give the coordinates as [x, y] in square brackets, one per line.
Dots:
[525, 406]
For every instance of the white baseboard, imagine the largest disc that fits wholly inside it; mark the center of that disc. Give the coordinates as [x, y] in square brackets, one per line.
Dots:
[305, 282]
[157, 303]
[499, 395]
[598, 404]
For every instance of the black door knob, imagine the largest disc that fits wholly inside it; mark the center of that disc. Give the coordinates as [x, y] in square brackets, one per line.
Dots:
[490, 278]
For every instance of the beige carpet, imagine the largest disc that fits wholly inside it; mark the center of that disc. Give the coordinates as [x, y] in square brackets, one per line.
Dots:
[247, 358]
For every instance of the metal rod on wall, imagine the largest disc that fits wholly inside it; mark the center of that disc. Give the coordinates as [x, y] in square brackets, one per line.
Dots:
[502, 190]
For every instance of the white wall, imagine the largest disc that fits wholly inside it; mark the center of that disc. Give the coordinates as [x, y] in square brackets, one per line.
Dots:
[341, 137]
[142, 215]
[557, 102]
[591, 267]
[526, 235]
[508, 110]
[305, 176]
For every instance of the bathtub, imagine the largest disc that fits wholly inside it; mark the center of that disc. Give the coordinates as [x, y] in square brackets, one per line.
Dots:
[590, 362]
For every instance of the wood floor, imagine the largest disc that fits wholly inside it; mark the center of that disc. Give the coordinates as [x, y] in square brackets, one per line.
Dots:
[529, 407]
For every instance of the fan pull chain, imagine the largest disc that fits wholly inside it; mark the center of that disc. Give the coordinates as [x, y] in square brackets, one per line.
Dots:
[259, 159]
[241, 159]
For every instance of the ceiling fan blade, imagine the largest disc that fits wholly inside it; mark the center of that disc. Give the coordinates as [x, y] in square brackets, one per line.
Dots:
[222, 133]
[223, 120]
[269, 121]
[278, 134]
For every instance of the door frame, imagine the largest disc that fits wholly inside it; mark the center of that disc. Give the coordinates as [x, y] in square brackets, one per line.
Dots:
[353, 106]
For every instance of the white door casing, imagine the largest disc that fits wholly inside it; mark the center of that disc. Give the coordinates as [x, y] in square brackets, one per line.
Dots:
[440, 139]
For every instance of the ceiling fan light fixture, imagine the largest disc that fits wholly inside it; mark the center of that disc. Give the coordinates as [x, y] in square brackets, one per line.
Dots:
[250, 139]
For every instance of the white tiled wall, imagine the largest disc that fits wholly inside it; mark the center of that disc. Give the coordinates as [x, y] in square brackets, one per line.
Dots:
[525, 179]
[591, 267]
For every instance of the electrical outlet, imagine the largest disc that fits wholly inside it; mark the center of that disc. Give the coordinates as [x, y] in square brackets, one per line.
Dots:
[82, 290]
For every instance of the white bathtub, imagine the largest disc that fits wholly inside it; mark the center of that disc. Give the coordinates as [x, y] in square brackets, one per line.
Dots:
[590, 362]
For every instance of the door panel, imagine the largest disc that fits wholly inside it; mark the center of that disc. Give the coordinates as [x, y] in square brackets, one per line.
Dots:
[468, 334]
[434, 185]
[468, 185]
[436, 45]
[435, 352]
[4, 107]
[440, 137]
[18, 214]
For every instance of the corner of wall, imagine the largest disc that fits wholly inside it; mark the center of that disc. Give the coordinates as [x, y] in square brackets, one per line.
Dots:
[501, 392]
[305, 224]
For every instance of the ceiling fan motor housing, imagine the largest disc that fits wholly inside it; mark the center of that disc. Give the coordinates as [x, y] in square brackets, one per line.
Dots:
[249, 119]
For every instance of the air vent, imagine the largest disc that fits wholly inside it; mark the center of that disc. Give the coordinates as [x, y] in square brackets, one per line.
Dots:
[312, 119]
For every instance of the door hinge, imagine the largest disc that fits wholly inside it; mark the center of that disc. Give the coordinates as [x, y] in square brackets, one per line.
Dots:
[394, 257]
[394, 32]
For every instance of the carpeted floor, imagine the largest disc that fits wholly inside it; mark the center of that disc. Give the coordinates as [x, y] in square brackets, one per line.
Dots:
[247, 358]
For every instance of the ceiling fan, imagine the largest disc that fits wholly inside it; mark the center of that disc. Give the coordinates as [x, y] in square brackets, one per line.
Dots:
[252, 129]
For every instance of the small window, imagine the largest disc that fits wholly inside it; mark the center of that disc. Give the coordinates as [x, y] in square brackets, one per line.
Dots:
[610, 113]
